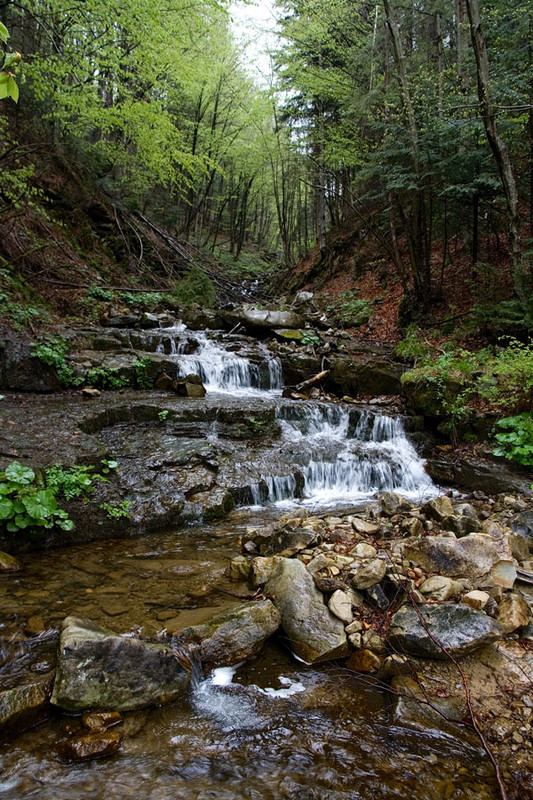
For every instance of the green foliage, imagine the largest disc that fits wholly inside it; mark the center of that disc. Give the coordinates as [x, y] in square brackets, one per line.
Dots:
[145, 300]
[195, 287]
[28, 500]
[162, 415]
[97, 293]
[310, 338]
[26, 503]
[53, 353]
[102, 378]
[413, 346]
[117, 510]
[8, 85]
[516, 439]
[349, 311]
[142, 380]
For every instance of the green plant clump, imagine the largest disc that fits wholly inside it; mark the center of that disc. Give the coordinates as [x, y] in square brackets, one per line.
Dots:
[516, 439]
[97, 293]
[195, 287]
[52, 352]
[117, 510]
[28, 500]
[142, 380]
[106, 378]
[26, 503]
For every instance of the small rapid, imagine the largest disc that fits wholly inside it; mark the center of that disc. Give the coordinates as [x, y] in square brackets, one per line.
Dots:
[221, 370]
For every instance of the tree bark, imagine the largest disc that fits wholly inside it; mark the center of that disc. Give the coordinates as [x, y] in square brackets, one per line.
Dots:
[499, 152]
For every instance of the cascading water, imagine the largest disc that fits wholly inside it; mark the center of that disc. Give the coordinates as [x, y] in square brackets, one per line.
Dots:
[344, 460]
[220, 370]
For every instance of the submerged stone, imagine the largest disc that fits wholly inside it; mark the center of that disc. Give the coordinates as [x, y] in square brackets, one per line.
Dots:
[313, 632]
[92, 745]
[24, 706]
[97, 669]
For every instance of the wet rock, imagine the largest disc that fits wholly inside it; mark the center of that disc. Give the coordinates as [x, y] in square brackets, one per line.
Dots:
[458, 628]
[392, 503]
[369, 573]
[478, 557]
[287, 542]
[340, 604]
[363, 526]
[190, 386]
[522, 525]
[364, 661]
[97, 669]
[91, 745]
[232, 636]
[439, 587]
[476, 599]
[9, 563]
[89, 393]
[461, 525]
[239, 569]
[377, 377]
[513, 612]
[24, 706]
[261, 569]
[313, 632]
[214, 504]
[101, 721]
[258, 319]
[439, 508]
[34, 625]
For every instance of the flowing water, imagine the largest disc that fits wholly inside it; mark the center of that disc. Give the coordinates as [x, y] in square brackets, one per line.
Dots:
[268, 729]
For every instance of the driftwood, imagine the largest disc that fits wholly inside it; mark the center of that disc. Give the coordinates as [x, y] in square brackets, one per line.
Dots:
[311, 381]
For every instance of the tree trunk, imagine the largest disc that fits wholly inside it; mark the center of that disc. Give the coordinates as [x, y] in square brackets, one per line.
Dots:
[499, 152]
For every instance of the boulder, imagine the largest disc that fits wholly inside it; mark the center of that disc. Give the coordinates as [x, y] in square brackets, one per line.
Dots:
[478, 557]
[287, 542]
[369, 573]
[91, 745]
[260, 319]
[439, 508]
[9, 563]
[522, 525]
[232, 636]
[458, 628]
[513, 613]
[376, 377]
[97, 669]
[340, 604]
[392, 503]
[439, 587]
[476, 599]
[313, 632]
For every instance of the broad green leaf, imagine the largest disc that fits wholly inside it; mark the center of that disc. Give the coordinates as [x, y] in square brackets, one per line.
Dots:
[40, 505]
[6, 509]
[18, 473]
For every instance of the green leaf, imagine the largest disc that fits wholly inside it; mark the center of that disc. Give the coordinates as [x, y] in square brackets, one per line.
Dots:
[6, 509]
[40, 505]
[4, 33]
[17, 473]
[13, 89]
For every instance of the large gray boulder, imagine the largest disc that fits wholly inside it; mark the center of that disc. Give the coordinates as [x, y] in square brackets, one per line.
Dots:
[232, 636]
[458, 629]
[97, 669]
[259, 318]
[479, 557]
[313, 632]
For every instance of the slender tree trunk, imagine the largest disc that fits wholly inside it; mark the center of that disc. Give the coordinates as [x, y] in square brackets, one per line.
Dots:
[499, 151]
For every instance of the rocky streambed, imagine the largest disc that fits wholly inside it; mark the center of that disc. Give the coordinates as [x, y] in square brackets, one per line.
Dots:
[285, 651]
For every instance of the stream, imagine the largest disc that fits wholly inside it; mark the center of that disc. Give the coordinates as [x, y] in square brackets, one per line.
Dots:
[267, 729]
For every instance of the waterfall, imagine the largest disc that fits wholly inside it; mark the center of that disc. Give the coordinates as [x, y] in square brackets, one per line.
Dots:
[344, 460]
[220, 370]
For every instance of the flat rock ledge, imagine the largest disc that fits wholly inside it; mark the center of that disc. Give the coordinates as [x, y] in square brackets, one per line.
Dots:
[442, 630]
[97, 669]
